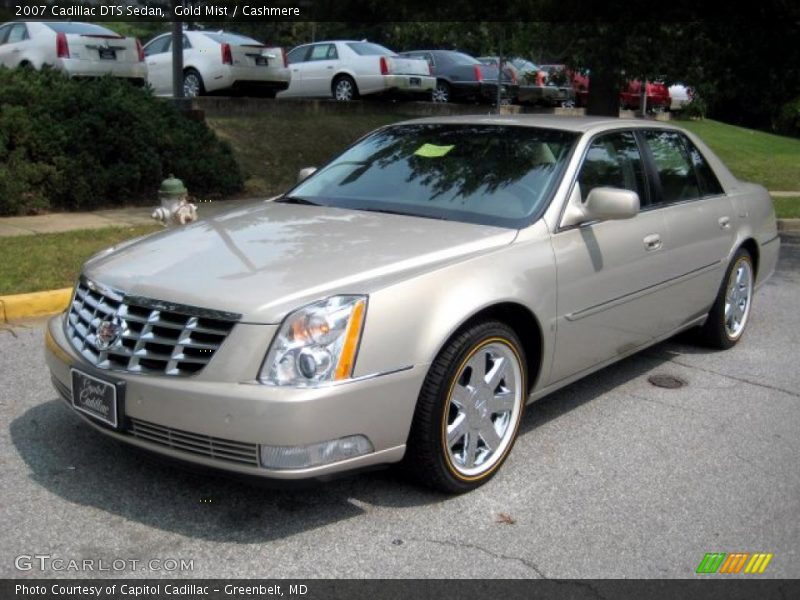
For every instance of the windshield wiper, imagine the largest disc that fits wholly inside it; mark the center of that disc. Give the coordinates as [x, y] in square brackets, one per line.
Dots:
[296, 200]
[388, 211]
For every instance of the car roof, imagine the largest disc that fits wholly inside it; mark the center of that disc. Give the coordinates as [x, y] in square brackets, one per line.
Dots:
[575, 124]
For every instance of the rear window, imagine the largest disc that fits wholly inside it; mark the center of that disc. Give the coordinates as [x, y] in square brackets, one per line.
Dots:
[369, 49]
[81, 29]
[524, 65]
[458, 58]
[233, 38]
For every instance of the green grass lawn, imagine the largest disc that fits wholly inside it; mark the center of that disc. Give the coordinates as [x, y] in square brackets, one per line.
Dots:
[271, 149]
[771, 160]
[32, 263]
[787, 208]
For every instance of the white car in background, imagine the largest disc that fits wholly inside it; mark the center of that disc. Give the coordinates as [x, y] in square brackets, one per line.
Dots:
[216, 60]
[77, 49]
[345, 70]
[680, 96]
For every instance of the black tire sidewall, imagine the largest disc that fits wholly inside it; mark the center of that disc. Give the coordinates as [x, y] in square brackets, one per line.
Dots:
[713, 332]
[427, 455]
[335, 83]
[192, 71]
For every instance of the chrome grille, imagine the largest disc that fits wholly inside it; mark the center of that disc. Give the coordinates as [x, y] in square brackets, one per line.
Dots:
[195, 443]
[158, 338]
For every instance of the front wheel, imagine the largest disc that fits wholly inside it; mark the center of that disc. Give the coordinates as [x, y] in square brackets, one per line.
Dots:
[728, 317]
[469, 409]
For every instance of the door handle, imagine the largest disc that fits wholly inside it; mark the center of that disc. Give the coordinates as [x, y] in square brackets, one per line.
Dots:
[652, 242]
[152, 64]
[329, 67]
[724, 222]
[16, 51]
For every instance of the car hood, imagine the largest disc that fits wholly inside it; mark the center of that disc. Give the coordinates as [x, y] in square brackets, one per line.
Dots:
[267, 259]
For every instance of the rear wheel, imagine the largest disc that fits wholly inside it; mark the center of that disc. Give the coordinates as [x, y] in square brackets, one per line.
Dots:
[731, 311]
[344, 88]
[469, 409]
[192, 84]
[441, 93]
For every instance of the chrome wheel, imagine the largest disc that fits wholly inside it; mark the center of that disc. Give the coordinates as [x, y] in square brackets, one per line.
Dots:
[738, 297]
[441, 93]
[344, 90]
[192, 85]
[483, 409]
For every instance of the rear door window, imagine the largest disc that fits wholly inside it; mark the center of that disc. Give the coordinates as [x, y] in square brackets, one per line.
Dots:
[709, 184]
[158, 45]
[676, 172]
[323, 52]
[18, 33]
[297, 55]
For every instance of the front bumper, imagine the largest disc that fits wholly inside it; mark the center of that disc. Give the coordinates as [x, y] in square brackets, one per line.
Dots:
[248, 413]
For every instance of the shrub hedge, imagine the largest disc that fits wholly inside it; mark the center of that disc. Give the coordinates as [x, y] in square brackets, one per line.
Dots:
[68, 144]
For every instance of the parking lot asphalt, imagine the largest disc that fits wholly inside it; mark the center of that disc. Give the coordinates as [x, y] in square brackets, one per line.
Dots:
[610, 477]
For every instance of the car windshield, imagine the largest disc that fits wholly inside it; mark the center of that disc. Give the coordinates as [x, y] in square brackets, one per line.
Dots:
[81, 29]
[233, 38]
[369, 49]
[487, 174]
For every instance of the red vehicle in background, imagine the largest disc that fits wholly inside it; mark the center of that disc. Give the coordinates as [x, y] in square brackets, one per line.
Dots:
[658, 97]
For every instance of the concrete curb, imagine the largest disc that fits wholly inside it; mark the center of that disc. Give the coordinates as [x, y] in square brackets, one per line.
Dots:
[36, 304]
[788, 224]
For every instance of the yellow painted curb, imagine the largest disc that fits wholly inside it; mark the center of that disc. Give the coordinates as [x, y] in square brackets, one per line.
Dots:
[21, 306]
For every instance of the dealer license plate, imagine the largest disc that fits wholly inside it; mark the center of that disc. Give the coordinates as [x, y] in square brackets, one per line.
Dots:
[97, 398]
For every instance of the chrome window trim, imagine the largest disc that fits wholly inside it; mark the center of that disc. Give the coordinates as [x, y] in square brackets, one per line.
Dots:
[649, 207]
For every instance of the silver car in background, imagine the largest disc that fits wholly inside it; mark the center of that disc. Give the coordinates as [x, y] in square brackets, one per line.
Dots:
[345, 70]
[408, 300]
[218, 61]
[77, 49]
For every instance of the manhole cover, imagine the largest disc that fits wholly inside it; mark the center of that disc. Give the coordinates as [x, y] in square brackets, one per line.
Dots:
[666, 381]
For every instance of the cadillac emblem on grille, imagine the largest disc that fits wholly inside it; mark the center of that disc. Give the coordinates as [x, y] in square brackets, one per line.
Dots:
[114, 330]
[108, 333]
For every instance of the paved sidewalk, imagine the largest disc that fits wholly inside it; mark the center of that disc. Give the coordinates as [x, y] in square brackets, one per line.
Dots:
[117, 217]
[785, 194]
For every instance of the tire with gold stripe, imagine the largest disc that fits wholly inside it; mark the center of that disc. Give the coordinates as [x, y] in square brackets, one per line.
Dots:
[730, 313]
[469, 409]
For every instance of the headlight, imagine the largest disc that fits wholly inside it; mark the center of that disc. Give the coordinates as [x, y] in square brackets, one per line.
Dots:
[317, 343]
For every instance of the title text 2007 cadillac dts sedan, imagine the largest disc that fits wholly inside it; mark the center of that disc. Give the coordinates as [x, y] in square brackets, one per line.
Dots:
[406, 301]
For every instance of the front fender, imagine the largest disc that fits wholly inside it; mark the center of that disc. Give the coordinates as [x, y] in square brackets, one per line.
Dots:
[408, 323]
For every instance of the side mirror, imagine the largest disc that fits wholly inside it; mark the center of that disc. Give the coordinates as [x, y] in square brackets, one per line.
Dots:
[606, 203]
[305, 173]
[602, 204]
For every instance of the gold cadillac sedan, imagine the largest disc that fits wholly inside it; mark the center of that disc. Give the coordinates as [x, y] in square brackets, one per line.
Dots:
[405, 302]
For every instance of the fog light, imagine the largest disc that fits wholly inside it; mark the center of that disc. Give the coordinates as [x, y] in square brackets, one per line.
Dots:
[301, 457]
